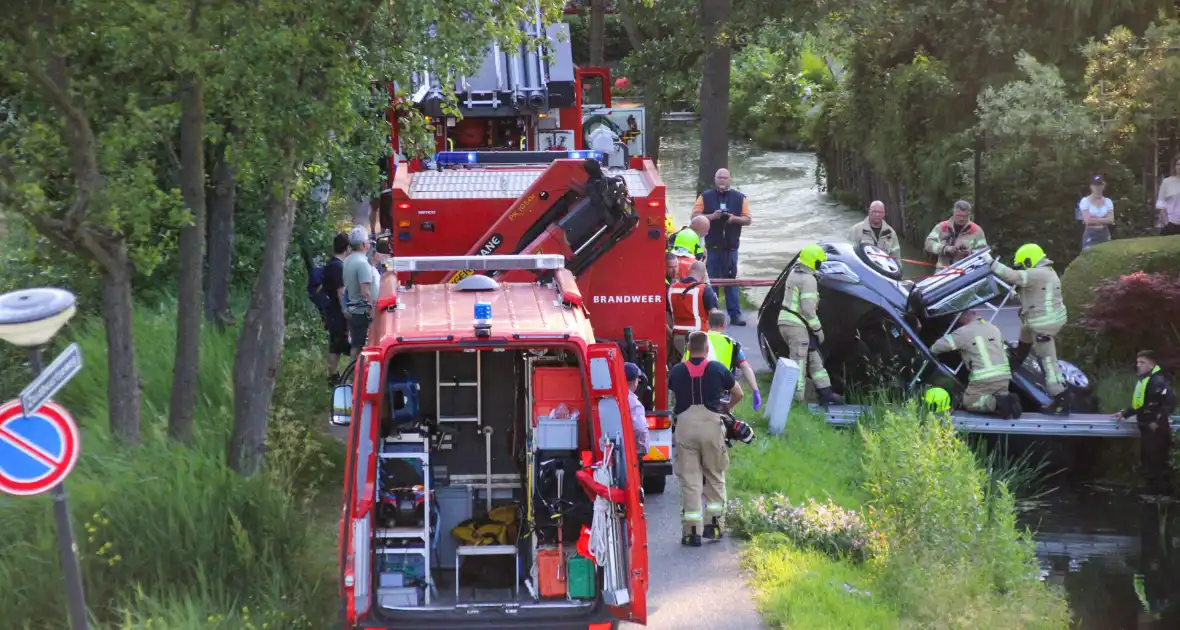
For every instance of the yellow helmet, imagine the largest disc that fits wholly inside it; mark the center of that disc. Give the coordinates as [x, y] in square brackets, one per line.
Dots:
[937, 399]
[1029, 255]
[812, 255]
[669, 225]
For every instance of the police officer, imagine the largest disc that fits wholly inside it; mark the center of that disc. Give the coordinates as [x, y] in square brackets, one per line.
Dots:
[727, 351]
[690, 300]
[1042, 314]
[701, 456]
[955, 239]
[982, 348]
[876, 232]
[692, 238]
[800, 326]
[1152, 405]
[727, 211]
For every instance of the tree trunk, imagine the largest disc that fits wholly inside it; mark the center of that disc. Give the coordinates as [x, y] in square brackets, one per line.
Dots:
[260, 343]
[220, 200]
[714, 91]
[653, 113]
[191, 257]
[122, 376]
[597, 33]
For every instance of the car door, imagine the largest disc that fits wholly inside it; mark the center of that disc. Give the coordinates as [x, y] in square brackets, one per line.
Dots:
[608, 402]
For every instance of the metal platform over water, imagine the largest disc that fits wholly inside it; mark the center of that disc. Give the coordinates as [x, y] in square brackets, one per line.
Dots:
[1076, 425]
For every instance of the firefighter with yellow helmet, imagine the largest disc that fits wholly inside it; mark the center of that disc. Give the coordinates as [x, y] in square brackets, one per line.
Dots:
[982, 347]
[937, 400]
[800, 326]
[1042, 315]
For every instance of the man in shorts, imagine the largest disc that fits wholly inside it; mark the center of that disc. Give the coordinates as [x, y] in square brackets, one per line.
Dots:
[358, 282]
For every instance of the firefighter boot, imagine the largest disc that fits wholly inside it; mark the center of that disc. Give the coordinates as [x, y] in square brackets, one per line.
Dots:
[1020, 354]
[1062, 404]
[692, 539]
[1008, 406]
[713, 530]
[828, 397]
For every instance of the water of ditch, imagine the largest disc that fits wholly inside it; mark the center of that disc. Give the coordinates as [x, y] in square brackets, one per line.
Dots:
[1116, 556]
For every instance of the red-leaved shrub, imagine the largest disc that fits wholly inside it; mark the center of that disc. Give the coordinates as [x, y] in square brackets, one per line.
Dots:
[1140, 311]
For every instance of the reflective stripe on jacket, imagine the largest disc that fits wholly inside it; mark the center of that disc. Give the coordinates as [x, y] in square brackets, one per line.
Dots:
[687, 302]
[802, 296]
[982, 348]
[1039, 288]
[1141, 389]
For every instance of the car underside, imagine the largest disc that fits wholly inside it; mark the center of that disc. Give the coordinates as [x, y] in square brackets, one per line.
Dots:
[879, 327]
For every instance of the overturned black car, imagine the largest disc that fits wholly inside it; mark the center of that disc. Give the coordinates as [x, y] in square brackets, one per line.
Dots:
[878, 327]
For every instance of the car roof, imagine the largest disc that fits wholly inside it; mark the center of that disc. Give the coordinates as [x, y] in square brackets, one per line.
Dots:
[518, 308]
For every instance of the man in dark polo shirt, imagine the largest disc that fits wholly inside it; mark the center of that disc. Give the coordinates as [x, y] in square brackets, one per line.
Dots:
[701, 455]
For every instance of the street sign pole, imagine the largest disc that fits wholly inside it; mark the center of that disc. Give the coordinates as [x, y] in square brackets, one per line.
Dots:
[67, 547]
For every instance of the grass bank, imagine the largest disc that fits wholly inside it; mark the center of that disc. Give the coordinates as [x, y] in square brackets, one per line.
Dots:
[952, 555]
[169, 537]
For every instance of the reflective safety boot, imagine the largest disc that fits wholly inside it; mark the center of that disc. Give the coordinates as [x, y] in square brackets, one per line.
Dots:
[713, 531]
[691, 540]
[828, 397]
[1062, 404]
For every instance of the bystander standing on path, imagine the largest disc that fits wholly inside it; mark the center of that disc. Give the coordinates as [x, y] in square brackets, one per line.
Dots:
[728, 212]
[361, 289]
[1168, 201]
[1096, 212]
[332, 287]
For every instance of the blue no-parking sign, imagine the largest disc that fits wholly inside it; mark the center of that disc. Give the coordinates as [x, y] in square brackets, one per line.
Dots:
[37, 451]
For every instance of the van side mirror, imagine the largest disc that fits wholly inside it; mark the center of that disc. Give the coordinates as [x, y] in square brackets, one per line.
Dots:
[383, 246]
[342, 405]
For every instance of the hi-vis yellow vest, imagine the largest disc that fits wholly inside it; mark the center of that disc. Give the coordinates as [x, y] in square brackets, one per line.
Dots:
[720, 349]
[1141, 389]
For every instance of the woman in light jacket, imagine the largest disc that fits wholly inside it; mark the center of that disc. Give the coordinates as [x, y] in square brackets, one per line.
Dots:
[1168, 202]
[1097, 214]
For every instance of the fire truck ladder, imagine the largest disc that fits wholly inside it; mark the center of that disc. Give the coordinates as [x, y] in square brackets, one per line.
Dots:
[452, 385]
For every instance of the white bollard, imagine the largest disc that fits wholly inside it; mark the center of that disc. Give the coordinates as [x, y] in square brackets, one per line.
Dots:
[782, 394]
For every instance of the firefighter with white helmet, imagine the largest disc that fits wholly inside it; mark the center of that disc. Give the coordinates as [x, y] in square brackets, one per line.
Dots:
[1042, 315]
[800, 325]
[982, 347]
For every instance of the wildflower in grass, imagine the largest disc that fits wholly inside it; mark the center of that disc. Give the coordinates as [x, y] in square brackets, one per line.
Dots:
[823, 526]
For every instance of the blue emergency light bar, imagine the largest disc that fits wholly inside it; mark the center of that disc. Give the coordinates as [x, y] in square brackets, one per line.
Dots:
[505, 158]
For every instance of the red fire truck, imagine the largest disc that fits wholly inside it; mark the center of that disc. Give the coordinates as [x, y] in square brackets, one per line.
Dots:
[541, 162]
[492, 474]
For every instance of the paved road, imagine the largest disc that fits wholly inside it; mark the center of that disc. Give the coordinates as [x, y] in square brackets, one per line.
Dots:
[692, 589]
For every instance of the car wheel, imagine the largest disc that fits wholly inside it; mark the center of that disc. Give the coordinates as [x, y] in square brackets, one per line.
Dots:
[1073, 375]
[879, 261]
[655, 484]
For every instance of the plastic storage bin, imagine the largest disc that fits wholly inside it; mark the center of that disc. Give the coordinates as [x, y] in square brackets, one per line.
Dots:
[580, 578]
[556, 435]
[403, 395]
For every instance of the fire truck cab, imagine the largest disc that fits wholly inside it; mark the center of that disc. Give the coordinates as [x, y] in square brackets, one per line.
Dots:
[485, 420]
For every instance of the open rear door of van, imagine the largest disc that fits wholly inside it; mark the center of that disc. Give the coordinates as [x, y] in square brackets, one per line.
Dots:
[611, 418]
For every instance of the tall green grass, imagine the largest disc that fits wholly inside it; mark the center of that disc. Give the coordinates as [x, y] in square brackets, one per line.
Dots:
[168, 532]
[955, 558]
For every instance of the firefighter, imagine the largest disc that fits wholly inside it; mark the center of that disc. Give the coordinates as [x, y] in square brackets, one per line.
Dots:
[1152, 404]
[727, 351]
[801, 328]
[937, 400]
[876, 232]
[690, 299]
[701, 455]
[982, 348]
[691, 238]
[955, 239]
[669, 225]
[1042, 314]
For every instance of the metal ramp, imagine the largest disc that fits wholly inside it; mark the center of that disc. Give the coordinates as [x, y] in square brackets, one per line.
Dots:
[1076, 425]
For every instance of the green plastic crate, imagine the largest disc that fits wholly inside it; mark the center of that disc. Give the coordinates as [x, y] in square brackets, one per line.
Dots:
[580, 578]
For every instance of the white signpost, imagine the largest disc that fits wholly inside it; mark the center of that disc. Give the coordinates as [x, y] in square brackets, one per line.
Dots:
[49, 382]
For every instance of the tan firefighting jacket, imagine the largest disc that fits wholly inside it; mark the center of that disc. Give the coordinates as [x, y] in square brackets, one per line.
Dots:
[802, 297]
[863, 233]
[942, 239]
[982, 348]
[1039, 288]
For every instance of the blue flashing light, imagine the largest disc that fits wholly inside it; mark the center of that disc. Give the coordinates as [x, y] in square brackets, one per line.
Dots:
[483, 314]
[454, 158]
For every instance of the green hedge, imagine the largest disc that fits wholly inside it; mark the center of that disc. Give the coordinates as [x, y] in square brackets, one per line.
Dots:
[1152, 254]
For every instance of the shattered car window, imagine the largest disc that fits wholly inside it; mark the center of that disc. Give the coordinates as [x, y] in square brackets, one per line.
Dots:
[967, 297]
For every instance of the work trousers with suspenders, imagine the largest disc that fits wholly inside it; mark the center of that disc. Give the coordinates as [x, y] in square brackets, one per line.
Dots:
[701, 460]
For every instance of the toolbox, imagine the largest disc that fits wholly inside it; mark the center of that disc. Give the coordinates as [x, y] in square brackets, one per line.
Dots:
[580, 578]
[550, 573]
